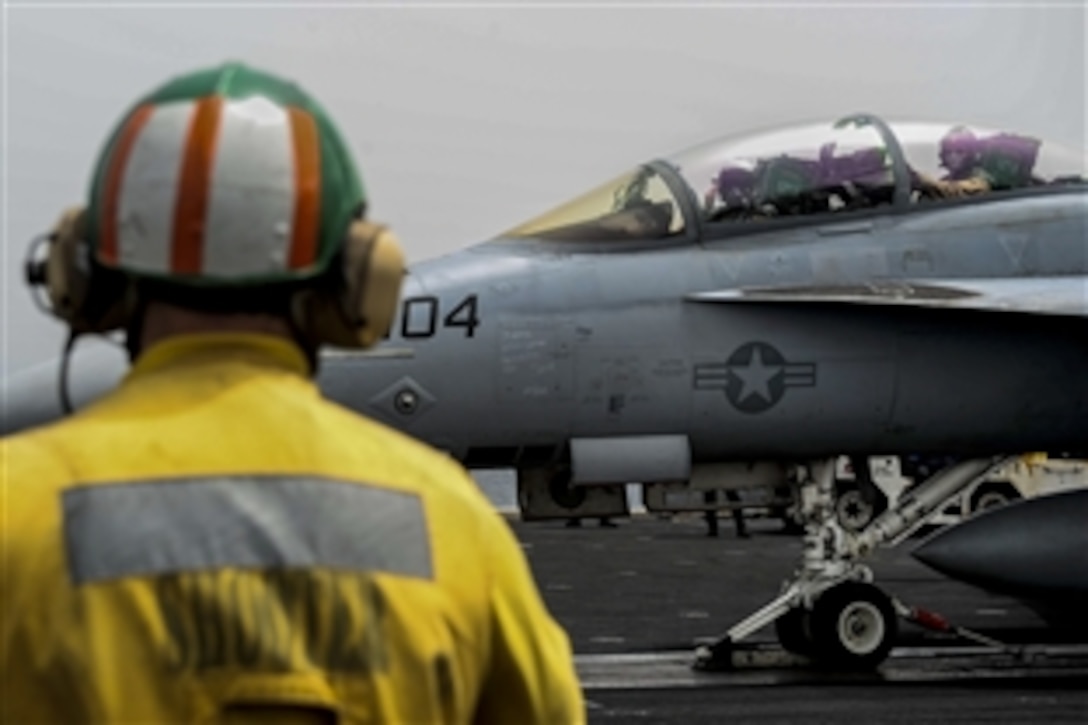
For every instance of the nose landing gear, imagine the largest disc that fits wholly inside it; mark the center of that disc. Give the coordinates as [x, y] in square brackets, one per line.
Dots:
[853, 625]
[831, 611]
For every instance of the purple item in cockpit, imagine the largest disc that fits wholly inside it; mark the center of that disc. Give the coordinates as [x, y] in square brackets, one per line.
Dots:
[735, 183]
[864, 166]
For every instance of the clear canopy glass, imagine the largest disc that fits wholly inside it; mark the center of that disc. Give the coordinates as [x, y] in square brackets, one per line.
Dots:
[635, 205]
[816, 169]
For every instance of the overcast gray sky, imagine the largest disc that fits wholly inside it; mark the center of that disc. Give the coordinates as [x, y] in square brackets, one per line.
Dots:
[467, 120]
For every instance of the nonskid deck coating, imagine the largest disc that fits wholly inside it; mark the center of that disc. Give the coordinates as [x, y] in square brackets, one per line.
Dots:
[636, 599]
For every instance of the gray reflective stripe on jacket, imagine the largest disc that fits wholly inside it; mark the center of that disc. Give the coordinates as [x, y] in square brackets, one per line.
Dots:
[193, 524]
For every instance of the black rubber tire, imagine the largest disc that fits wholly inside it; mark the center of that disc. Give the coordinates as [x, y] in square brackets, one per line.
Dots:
[853, 626]
[792, 629]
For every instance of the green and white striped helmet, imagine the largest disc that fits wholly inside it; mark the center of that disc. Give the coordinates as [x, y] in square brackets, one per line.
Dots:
[226, 176]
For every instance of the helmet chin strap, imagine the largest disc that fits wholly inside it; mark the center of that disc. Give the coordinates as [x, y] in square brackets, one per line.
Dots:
[62, 378]
[64, 393]
[134, 328]
[309, 350]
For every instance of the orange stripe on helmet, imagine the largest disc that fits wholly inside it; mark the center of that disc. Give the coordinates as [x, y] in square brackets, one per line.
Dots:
[191, 208]
[307, 155]
[107, 244]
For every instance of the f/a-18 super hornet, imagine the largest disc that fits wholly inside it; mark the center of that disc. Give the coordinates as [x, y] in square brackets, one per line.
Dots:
[748, 310]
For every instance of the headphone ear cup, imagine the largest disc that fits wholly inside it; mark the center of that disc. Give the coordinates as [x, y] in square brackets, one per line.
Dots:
[67, 268]
[374, 267]
[359, 310]
[86, 297]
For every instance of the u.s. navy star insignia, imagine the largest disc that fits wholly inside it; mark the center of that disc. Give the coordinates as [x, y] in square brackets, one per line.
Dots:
[754, 377]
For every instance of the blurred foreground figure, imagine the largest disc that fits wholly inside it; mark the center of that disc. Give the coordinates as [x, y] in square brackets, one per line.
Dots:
[213, 541]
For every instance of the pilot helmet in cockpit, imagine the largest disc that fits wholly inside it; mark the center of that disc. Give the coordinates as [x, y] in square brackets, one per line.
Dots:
[735, 185]
[960, 152]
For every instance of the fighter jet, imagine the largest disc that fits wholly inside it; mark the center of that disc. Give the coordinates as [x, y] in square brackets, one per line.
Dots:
[741, 313]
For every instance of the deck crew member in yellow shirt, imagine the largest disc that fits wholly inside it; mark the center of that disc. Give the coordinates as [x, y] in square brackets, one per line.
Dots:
[213, 541]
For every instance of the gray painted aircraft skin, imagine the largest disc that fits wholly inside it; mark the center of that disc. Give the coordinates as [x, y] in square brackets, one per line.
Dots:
[952, 325]
[615, 343]
[849, 317]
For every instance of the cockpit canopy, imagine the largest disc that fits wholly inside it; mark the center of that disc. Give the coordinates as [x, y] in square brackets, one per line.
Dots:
[639, 204]
[858, 162]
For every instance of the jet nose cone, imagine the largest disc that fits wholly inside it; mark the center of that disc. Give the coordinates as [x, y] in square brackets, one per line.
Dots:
[1037, 545]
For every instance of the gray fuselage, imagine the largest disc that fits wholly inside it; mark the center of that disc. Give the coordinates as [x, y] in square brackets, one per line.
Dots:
[511, 349]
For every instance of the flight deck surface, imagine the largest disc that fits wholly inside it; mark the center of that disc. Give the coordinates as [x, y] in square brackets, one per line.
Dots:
[638, 598]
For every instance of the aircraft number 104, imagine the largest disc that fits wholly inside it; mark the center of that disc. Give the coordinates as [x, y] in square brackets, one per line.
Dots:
[419, 317]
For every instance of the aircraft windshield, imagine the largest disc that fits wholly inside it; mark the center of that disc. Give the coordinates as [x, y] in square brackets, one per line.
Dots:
[635, 205]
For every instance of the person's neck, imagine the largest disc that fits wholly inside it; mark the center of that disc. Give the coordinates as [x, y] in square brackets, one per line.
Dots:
[162, 321]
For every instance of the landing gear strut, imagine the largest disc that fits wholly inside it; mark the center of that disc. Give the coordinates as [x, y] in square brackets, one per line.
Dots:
[831, 611]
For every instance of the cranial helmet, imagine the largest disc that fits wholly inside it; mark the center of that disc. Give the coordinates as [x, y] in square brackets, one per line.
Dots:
[959, 140]
[228, 178]
[735, 181]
